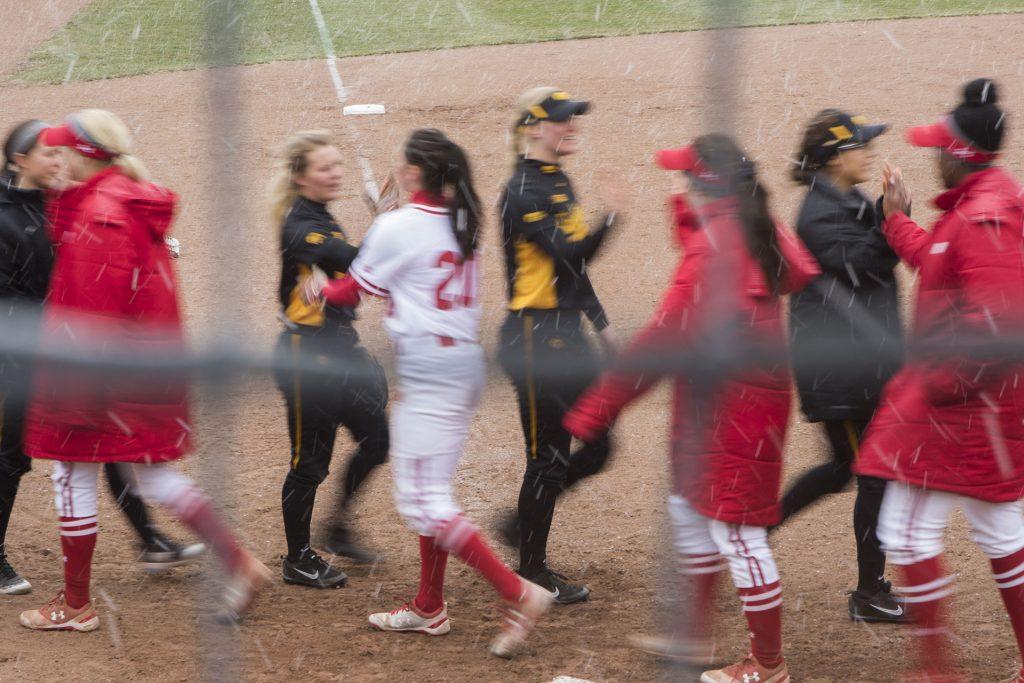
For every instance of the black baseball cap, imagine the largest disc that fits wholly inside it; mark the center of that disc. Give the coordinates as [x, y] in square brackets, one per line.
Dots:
[559, 106]
[849, 132]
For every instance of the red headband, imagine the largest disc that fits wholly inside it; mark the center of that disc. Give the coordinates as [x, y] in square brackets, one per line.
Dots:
[687, 159]
[69, 134]
[944, 135]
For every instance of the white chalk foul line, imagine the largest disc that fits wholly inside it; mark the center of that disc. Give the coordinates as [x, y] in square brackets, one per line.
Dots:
[332, 60]
[339, 88]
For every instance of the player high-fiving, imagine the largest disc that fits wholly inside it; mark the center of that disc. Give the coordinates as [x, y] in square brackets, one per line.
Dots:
[424, 258]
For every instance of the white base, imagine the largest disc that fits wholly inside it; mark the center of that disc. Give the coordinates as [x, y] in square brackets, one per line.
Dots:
[363, 109]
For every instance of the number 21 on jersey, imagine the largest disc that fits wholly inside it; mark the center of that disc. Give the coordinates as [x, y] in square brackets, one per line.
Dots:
[458, 287]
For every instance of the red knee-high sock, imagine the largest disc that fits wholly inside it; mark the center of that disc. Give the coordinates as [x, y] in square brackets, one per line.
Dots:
[77, 540]
[433, 561]
[699, 588]
[762, 606]
[927, 587]
[1009, 575]
[196, 511]
[462, 537]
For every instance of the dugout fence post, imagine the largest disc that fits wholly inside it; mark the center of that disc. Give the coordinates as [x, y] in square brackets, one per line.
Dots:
[716, 352]
[226, 250]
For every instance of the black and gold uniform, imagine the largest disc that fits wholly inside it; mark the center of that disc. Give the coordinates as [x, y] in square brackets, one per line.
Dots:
[355, 395]
[544, 348]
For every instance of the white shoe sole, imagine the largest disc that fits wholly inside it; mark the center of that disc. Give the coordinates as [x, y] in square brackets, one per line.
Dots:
[20, 588]
[188, 555]
[441, 626]
[706, 677]
[80, 626]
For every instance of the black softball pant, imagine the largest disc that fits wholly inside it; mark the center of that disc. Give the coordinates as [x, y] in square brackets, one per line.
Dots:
[550, 363]
[844, 437]
[352, 393]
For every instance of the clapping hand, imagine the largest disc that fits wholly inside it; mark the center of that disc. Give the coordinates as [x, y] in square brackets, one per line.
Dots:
[895, 195]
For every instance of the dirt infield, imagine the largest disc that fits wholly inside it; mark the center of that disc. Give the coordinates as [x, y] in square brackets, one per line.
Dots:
[648, 92]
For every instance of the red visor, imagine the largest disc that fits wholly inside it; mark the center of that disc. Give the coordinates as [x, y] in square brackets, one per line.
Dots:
[940, 135]
[65, 136]
[686, 159]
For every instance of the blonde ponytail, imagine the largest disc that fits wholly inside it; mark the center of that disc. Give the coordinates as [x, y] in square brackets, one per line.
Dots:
[110, 133]
[291, 163]
[530, 98]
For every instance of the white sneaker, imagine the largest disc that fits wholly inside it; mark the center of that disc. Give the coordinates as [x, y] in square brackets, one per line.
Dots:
[405, 618]
[520, 619]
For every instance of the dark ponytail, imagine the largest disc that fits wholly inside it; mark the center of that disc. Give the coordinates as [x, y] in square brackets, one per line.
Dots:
[446, 173]
[721, 154]
[808, 158]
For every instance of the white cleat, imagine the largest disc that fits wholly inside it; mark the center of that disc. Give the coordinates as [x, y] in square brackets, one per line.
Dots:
[520, 620]
[407, 619]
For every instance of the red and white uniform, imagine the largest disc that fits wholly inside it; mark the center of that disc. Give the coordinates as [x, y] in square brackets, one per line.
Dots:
[113, 286]
[410, 256]
[726, 492]
[952, 430]
[949, 432]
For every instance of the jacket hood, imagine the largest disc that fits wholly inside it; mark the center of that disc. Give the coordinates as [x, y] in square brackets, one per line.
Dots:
[149, 204]
[988, 196]
[154, 206]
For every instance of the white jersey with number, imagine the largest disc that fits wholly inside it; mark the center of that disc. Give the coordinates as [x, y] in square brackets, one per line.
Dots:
[410, 256]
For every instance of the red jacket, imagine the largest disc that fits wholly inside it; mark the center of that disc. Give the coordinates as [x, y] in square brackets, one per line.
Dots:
[113, 292]
[955, 425]
[735, 474]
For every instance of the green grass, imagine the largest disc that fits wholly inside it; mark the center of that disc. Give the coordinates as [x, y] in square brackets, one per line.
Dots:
[111, 38]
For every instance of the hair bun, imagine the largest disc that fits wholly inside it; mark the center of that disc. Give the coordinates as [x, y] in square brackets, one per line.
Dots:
[981, 92]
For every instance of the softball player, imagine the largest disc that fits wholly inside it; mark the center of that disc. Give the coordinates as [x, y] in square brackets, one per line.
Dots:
[113, 287]
[26, 260]
[853, 309]
[725, 489]
[949, 430]
[544, 349]
[424, 258]
[312, 243]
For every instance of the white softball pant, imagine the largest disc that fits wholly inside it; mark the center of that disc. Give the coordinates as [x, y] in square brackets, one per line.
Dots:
[913, 522]
[74, 486]
[439, 389]
[702, 543]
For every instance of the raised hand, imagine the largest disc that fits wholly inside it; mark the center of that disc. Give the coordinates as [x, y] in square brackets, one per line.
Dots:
[895, 194]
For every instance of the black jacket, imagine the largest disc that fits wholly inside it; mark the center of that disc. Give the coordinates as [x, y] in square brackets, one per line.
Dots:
[311, 238]
[26, 255]
[851, 310]
[548, 244]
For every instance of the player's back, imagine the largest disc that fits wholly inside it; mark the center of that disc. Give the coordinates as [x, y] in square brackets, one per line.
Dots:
[411, 255]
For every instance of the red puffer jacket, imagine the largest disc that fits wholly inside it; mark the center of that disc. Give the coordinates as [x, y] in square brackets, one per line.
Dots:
[113, 292]
[735, 474]
[955, 425]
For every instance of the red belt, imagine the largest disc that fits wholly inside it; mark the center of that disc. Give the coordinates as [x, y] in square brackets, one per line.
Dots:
[445, 341]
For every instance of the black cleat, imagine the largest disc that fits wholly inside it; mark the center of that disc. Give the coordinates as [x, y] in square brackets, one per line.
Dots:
[162, 554]
[877, 606]
[312, 570]
[12, 583]
[565, 593]
[507, 529]
[341, 542]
